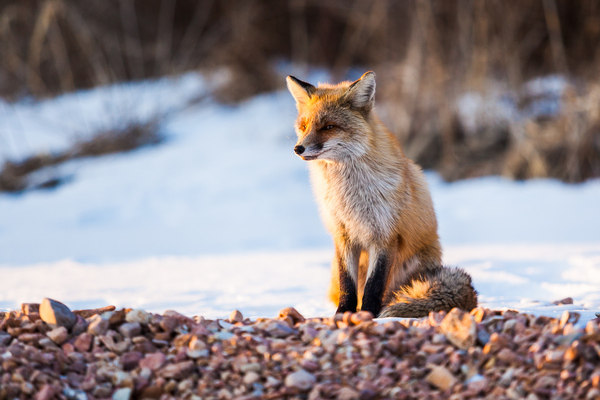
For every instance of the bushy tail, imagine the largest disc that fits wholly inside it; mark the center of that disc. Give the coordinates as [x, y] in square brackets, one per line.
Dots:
[439, 290]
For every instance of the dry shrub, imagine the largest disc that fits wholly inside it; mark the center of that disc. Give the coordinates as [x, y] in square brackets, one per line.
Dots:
[14, 175]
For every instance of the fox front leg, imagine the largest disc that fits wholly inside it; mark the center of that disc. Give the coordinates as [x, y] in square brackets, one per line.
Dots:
[347, 260]
[377, 278]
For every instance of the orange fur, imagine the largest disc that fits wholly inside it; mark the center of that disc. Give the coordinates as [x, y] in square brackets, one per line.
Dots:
[372, 198]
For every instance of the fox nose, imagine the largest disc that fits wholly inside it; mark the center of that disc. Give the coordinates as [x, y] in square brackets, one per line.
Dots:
[299, 149]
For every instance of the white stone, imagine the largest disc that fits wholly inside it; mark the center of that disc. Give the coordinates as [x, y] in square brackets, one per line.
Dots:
[300, 379]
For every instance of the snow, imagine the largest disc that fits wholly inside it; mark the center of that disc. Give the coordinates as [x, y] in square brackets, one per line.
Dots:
[221, 216]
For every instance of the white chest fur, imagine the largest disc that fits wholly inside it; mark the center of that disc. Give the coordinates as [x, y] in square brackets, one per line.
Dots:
[362, 197]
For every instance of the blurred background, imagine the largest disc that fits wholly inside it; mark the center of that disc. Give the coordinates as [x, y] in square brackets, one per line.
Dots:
[471, 87]
[134, 129]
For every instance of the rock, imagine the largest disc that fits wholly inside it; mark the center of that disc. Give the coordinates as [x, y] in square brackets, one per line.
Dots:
[5, 338]
[555, 356]
[251, 377]
[477, 383]
[441, 377]
[102, 390]
[139, 316]
[507, 356]
[98, 326]
[80, 326]
[45, 393]
[223, 335]
[122, 394]
[256, 367]
[478, 313]
[131, 360]
[272, 382]
[292, 313]
[197, 344]
[360, 317]
[153, 361]
[177, 371]
[566, 300]
[460, 328]
[55, 314]
[130, 329]
[347, 393]
[569, 317]
[300, 380]
[58, 335]
[29, 308]
[235, 317]
[279, 330]
[483, 337]
[194, 354]
[83, 342]
[122, 379]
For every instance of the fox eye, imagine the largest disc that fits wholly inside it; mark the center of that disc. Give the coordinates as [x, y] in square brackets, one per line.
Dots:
[302, 128]
[328, 127]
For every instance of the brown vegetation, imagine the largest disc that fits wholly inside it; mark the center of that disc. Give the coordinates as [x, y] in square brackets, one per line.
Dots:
[14, 175]
[427, 53]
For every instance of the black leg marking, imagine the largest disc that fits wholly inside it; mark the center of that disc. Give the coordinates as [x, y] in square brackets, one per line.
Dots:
[348, 298]
[375, 286]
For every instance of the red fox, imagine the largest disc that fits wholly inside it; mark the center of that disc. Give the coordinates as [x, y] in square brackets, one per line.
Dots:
[376, 204]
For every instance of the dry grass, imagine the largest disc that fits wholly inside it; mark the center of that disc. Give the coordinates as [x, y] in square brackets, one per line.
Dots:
[427, 54]
[14, 175]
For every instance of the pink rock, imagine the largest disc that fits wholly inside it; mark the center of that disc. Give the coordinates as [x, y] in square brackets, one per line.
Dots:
[293, 314]
[98, 326]
[360, 317]
[460, 328]
[441, 377]
[45, 393]
[153, 361]
[235, 316]
[300, 380]
[131, 360]
[84, 342]
[28, 308]
[177, 371]
[80, 326]
[130, 329]
[58, 335]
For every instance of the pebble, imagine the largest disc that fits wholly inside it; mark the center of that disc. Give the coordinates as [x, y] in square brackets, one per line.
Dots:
[139, 316]
[346, 393]
[58, 335]
[223, 335]
[292, 313]
[236, 316]
[177, 371]
[131, 360]
[122, 394]
[173, 356]
[153, 361]
[55, 314]
[130, 329]
[83, 342]
[300, 380]
[460, 328]
[251, 377]
[441, 377]
[97, 326]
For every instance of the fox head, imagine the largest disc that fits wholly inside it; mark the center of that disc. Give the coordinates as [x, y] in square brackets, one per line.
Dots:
[333, 120]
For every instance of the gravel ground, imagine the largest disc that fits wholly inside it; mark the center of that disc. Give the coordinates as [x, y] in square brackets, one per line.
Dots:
[48, 351]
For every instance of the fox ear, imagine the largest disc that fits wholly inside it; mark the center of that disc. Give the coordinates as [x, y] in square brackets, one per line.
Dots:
[302, 91]
[362, 91]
